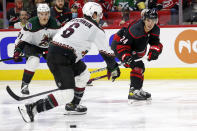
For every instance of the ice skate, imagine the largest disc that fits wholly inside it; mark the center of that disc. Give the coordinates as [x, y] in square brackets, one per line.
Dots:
[27, 112]
[138, 95]
[24, 89]
[72, 109]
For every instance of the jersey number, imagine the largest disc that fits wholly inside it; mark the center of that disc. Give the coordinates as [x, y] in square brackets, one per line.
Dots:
[123, 40]
[20, 35]
[70, 30]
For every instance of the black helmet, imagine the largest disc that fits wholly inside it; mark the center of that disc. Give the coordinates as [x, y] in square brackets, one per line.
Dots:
[150, 14]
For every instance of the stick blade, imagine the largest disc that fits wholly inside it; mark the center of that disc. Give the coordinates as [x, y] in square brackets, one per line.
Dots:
[12, 94]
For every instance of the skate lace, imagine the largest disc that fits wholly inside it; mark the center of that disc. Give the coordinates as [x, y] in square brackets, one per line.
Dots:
[137, 92]
[140, 92]
[143, 92]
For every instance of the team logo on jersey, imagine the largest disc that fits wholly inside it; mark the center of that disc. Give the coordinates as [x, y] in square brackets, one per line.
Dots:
[29, 26]
[186, 46]
[45, 40]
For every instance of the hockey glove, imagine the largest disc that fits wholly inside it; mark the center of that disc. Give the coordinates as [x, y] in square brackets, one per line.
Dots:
[17, 55]
[154, 52]
[115, 73]
[128, 60]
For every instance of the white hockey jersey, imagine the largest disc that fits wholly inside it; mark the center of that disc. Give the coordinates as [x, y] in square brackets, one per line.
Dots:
[79, 34]
[35, 34]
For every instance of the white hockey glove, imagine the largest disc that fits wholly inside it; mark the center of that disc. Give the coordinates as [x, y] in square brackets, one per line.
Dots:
[113, 74]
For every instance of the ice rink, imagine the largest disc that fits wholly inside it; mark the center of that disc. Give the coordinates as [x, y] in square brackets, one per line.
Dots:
[173, 108]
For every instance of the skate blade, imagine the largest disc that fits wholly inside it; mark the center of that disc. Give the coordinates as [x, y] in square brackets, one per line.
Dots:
[74, 113]
[24, 114]
[140, 102]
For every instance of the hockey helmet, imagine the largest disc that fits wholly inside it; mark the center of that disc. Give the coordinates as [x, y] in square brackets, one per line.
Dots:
[90, 8]
[43, 7]
[150, 14]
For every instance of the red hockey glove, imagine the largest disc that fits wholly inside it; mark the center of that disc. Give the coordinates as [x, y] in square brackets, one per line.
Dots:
[128, 60]
[154, 52]
[17, 55]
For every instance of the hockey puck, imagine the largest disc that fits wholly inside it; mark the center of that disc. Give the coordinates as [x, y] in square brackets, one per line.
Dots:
[73, 126]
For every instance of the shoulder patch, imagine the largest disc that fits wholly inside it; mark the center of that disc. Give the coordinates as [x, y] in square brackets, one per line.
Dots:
[58, 23]
[29, 26]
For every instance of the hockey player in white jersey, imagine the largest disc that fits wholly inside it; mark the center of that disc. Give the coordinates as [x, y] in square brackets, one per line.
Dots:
[33, 40]
[68, 47]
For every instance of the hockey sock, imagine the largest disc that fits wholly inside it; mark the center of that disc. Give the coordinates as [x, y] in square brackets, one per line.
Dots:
[78, 94]
[46, 104]
[137, 79]
[27, 76]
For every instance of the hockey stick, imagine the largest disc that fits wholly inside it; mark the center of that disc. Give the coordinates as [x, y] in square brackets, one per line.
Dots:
[12, 58]
[98, 70]
[96, 78]
[19, 98]
[104, 68]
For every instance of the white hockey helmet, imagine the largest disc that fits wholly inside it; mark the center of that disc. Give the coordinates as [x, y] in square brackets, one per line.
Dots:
[91, 7]
[43, 7]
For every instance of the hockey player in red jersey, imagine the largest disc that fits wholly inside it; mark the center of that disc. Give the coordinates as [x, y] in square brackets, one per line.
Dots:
[69, 46]
[131, 43]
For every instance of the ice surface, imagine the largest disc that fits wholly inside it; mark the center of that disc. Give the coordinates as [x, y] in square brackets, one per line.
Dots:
[173, 108]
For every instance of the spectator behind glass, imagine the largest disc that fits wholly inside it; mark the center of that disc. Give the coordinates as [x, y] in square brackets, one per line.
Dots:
[107, 6]
[125, 20]
[125, 17]
[60, 12]
[79, 4]
[23, 20]
[120, 5]
[74, 10]
[13, 13]
[172, 5]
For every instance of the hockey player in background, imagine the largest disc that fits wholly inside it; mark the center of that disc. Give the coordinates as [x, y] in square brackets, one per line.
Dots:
[33, 40]
[69, 46]
[131, 43]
